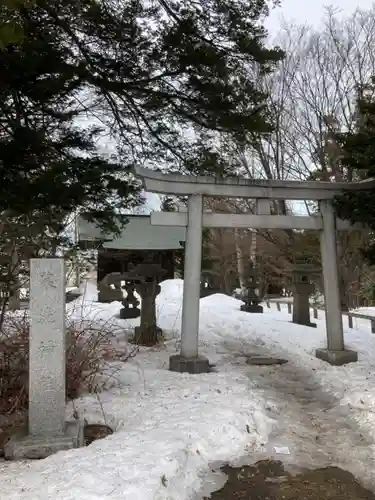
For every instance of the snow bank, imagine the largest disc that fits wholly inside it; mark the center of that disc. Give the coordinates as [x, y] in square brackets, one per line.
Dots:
[171, 427]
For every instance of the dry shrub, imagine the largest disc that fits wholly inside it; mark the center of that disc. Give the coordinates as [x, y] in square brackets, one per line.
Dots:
[14, 365]
[84, 358]
[88, 349]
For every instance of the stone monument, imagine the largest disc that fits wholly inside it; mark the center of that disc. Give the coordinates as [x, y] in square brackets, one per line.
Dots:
[47, 430]
[252, 300]
[302, 289]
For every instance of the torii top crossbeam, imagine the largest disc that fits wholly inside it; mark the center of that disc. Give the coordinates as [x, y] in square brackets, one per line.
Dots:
[236, 187]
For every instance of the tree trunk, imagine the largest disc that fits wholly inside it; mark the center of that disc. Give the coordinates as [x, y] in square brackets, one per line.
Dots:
[253, 247]
[240, 260]
[14, 300]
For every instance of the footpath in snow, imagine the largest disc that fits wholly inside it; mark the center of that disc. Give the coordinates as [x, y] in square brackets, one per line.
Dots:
[173, 429]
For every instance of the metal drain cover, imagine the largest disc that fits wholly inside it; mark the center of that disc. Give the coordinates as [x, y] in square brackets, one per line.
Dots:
[265, 361]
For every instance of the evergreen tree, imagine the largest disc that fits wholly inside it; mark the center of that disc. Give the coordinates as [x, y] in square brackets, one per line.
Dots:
[10, 26]
[358, 156]
[48, 164]
[166, 77]
[168, 204]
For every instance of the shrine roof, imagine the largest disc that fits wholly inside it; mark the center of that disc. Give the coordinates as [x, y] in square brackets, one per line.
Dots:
[138, 234]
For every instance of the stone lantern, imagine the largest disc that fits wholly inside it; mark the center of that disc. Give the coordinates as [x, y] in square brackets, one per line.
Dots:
[130, 302]
[146, 278]
[252, 299]
[302, 289]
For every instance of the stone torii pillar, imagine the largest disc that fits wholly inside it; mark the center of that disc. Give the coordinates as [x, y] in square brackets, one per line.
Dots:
[189, 360]
[335, 354]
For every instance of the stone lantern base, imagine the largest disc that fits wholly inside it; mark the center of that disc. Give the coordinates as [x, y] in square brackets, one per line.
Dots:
[252, 308]
[130, 313]
[304, 323]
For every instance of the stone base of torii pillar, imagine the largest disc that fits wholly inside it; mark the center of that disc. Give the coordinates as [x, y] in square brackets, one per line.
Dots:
[195, 365]
[337, 358]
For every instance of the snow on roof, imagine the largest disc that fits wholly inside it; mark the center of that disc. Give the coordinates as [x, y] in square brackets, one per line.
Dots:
[138, 234]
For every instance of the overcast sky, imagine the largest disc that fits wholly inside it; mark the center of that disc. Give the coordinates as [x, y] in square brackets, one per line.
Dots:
[310, 11]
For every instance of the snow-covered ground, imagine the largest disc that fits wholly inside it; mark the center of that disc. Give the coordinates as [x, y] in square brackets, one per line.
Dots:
[173, 429]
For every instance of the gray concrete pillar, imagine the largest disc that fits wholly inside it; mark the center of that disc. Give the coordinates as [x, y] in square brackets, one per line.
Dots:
[192, 277]
[335, 335]
[335, 352]
[188, 360]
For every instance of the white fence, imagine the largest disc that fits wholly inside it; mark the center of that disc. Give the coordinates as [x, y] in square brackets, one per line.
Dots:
[350, 315]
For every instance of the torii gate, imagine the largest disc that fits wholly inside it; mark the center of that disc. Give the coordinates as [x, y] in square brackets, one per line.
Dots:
[263, 191]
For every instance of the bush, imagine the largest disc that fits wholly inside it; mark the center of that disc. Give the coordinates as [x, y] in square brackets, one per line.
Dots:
[88, 348]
